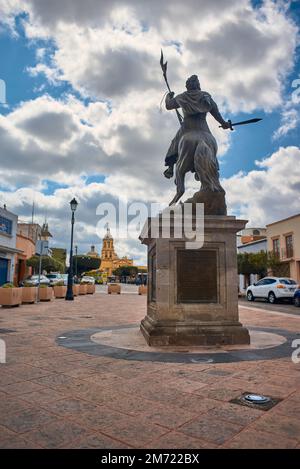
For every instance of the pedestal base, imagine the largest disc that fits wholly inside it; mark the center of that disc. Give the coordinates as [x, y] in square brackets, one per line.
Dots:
[193, 293]
[157, 334]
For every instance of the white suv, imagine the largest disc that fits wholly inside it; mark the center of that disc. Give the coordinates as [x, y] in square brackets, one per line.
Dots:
[272, 289]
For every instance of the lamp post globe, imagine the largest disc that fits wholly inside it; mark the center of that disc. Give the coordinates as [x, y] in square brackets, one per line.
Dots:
[69, 294]
[73, 204]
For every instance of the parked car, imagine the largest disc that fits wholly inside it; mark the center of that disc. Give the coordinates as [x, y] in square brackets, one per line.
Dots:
[88, 279]
[34, 280]
[297, 298]
[54, 278]
[65, 278]
[272, 289]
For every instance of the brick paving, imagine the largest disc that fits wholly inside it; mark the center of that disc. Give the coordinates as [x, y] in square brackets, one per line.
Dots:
[54, 397]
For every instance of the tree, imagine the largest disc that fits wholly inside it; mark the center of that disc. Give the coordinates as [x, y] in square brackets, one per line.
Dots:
[277, 267]
[252, 263]
[126, 271]
[49, 264]
[85, 263]
[257, 263]
[60, 254]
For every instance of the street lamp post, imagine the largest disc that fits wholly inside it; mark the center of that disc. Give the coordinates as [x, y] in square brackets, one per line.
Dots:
[69, 294]
[76, 253]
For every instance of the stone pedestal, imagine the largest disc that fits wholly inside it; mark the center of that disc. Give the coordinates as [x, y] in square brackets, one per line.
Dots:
[193, 293]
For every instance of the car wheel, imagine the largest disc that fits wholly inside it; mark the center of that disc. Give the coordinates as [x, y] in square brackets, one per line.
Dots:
[297, 301]
[250, 296]
[272, 298]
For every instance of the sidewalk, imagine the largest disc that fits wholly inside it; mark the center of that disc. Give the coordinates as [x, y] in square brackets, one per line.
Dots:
[57, 397]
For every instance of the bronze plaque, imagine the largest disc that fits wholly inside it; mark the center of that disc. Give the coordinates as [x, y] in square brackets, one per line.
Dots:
[197, 276]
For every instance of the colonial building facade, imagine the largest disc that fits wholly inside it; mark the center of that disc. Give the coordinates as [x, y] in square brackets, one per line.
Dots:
[109, 258]
[284, 241]
[8, 245]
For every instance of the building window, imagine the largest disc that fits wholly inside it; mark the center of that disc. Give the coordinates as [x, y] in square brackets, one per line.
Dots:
[5, 225]
[289, 246]
[276, 247]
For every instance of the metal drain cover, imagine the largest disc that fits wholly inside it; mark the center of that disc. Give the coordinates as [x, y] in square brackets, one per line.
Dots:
[257, 398]
[256, 401]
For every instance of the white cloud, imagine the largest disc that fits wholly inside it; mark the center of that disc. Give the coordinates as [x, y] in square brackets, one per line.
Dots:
[109, 52]
[269, 193]
[289, 121]
[9, 9]
[117, 44]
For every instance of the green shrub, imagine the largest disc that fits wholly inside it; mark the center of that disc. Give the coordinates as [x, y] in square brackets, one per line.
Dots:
[8, 285]
[28, 285]
[59, 284]
[42, 285]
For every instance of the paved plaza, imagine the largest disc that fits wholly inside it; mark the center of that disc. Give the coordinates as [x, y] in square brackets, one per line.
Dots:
[70, 382]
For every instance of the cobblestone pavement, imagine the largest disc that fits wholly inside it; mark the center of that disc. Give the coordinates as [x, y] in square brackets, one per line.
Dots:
[54, 397]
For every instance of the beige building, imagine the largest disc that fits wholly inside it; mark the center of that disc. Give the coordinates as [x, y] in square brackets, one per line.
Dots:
[93, 252]
[283, 239]
[109, 258]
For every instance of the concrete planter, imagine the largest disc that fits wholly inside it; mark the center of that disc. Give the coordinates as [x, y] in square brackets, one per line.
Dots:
[59, 291]
[142, 290]
[82, 289]
[90, 289]
[10, 296]
[46, 294]
[75, 290]
[29, 294]
[113, 288]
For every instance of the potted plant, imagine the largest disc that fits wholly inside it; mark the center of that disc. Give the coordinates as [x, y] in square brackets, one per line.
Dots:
[142, 290]
[45, 293]
[114, 288]
[75, 289]
[90, 288]
[10, 295]
[82, 288]
[59, 289]
[29, 293]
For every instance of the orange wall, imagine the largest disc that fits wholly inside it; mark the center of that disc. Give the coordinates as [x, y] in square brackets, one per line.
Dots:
[25, 245]
[250, 238]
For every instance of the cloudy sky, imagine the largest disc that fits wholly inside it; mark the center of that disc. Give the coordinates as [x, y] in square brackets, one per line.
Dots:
[82, 114]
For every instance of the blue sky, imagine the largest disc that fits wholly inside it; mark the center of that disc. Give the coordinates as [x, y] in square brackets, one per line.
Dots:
[249, 143]
[98, 136]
